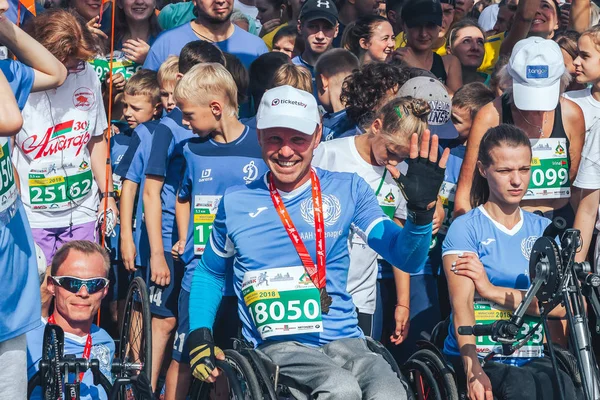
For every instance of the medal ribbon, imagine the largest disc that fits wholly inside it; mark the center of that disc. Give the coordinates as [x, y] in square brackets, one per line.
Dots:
[86, 350]
[317, 274]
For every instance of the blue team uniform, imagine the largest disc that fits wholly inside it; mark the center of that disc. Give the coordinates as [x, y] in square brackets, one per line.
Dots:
[337, 125]
[20, 301]
[211, 168]
[103, 350]
[241, 44]
[504, 254]
[248, 228]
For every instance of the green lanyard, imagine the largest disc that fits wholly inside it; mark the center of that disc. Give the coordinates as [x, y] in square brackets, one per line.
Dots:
[381, 183]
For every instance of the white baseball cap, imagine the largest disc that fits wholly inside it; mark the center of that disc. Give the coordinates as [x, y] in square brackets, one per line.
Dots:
[434, 92]
[288, 107]
[536, 66]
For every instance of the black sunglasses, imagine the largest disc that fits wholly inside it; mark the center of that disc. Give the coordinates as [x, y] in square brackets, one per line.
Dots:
[73, 285]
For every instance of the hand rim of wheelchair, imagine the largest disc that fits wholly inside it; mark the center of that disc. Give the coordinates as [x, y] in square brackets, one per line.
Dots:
[200, 390]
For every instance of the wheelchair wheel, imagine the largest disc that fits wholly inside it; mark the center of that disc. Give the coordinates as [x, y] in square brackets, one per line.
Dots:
[567, 362]
[226, 387]
[245, 373]
[422, 380]
[135, 343]
[441, 372]
[49, 376]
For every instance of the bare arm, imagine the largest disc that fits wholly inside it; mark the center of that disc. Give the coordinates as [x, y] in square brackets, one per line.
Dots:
[159, 269]
[49, 72]
[182, 217]
[10, 115]
[486, 118]
[454, 73]
[97, 148]
[579, 18]
[126, 204]
[574, 124]
[519, 30]
[585, 218]
[402, 309]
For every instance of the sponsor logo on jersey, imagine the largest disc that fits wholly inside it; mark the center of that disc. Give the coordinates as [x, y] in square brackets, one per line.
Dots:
[84, 99]
[488, 241]
[57, 138]
[389, 198]
[331, 210]
[258, 211]
[251, 172]
[527, 246]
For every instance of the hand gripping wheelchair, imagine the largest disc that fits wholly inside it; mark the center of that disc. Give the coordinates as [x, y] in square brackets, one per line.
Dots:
[131, 366]
[251, 374]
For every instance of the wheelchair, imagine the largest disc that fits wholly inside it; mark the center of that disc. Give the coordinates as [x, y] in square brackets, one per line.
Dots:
[131, 366]
[258, 377]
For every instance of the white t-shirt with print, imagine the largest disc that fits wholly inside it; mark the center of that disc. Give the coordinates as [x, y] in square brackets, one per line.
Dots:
[588, 176]
[341, 155]
[51, 154]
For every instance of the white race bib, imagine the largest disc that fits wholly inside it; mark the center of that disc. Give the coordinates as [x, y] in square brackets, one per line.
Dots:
[549, 170]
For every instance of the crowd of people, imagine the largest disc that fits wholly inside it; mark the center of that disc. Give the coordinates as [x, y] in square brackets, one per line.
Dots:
[297, 174]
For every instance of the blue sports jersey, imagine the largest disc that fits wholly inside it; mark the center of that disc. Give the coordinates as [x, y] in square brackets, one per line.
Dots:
[118, 147]
[20, 301]
[241, 44]
[103, 350]
[248, 228]
[211, 168]
[166, 160]
[503, 252]
[132, 167]
[337, 125]
[299, 61]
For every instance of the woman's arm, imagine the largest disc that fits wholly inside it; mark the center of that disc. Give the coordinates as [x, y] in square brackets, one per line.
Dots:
[574, 124]
[10, 115]
[49, 72]
[587, 201]
[454, 73]
[402, 309]
[486, 118]
[519, 29]
[579, 16]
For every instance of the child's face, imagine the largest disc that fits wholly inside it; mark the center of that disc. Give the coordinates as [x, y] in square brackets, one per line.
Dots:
[285, 45]
[139, 109]
[166, 97]
[199, 118]
[461, 118]
[587, 64]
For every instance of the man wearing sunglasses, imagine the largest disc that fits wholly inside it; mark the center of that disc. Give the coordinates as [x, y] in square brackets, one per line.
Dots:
[78, 282]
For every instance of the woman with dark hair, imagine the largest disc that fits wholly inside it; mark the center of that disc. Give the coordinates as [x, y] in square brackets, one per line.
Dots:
[370, 39]
[368, 89]
[60, 153]
[273, 15]
[486, 259]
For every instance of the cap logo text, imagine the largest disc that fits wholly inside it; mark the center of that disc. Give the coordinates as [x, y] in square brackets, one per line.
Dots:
[537, 71]
[321, 3]
[276, 102]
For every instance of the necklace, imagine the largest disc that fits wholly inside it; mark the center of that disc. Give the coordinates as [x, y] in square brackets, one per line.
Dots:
[201, 35]
[539, 128]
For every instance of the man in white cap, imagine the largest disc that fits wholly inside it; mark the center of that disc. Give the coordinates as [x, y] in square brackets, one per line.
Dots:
[288, 233]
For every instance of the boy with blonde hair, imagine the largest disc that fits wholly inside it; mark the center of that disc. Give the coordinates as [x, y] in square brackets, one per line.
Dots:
[167, 79]
[229, 151]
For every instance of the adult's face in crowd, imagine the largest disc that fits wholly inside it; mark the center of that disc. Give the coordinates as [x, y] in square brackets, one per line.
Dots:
[365, 8]
[214, 11]
[506, 13]
[137, 10]
[421, 37]
[318, 34]
[447, 18]
[467, 46]
[545, 21]
[88, 9]
[462, 8]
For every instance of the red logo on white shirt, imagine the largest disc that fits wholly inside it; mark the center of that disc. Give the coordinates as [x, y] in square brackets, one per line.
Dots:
[84, 99]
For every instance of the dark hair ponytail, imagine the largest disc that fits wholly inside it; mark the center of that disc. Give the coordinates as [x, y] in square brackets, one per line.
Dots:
[362, 28]
[501, 135]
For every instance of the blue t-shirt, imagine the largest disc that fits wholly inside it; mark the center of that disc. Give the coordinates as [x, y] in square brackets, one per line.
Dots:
[241, 44]
[166, 160]
[132, 167]
[103, 350]
[211, 168]
[248, 228]
[337, 125]
[20, 78]
[299, 61]
[20, 301]
[503, 252]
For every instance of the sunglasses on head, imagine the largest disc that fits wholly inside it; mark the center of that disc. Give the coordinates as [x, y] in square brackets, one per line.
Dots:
[73, 285]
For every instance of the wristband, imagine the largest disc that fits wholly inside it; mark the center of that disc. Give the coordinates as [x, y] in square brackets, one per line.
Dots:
[403, 306]
[107, 194]
[421, 217]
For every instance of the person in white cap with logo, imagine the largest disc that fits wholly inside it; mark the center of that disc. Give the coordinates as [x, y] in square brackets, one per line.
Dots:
[535, 76]
[288, 233]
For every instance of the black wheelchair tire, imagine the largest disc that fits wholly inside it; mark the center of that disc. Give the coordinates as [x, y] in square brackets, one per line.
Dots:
[137, 288]
[201, 390]
[442, 372]
[410, 367]
[33, 383]
[240, 364]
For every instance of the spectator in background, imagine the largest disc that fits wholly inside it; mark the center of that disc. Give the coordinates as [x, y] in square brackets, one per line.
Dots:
[273, 15]
[487, 18]
[350, 11]
[213, 25]
[370, 39]
[392, 10]
[567, 41]
[261, 76]
[288, 41]
[466, 42]
[249, 8]
[462, 9]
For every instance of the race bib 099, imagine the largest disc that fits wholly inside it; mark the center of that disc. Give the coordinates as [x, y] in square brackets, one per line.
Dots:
[549, 170]
[282, 301]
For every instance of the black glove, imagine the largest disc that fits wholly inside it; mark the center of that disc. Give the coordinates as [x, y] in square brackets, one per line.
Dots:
[420, 186]
[202, 353]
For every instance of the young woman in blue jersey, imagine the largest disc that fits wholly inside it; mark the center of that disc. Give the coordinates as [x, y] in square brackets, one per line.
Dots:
[384, 143]
[37, 69]
[486, 261]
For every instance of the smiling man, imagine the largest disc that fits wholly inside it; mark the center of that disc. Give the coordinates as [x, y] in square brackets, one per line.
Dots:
[287, 234]
[78, 281]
